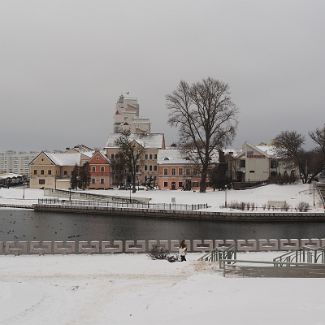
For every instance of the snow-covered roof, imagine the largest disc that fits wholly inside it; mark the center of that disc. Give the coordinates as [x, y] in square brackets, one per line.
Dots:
[65, 159]
[9, 175]
[172, 156]
[176, 156]
[152, 140]
[89, 154]
[228, 151]
[269, 150]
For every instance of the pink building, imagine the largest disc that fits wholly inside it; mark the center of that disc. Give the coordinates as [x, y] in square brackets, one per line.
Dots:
[100, 172]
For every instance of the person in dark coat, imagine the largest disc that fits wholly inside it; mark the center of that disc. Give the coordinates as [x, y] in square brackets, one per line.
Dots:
[182, 250]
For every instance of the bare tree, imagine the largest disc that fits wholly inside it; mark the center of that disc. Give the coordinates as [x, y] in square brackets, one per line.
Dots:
[205, 116]
[288, 146]
[318, 137]
[132, 151]
[118, 166]
[313, 164]
[80, 176]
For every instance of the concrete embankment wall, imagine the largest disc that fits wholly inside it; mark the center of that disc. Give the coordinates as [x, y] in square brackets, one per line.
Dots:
[192, 215]
[144, 246]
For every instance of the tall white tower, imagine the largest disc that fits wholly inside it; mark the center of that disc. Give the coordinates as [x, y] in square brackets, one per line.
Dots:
[126, 116]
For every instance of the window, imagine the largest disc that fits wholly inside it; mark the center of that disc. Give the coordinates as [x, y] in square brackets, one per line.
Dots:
[180, 171]
[165, 184]
[252, 171]
[155, 168]
[274, 163]
[165, 171]
[102, 168]
[42, 172]
[93, 180]
[146, 156]
[173, 171]
[49, 172]
[242, 163]
[180, 184]
[145, 167]
[150, 168]
[41, 181]
[188, 172]
[93, 168]
[102, 180]
[155, 156]
[65, 172]
[112, 156]
[35, 172]
[150, 156]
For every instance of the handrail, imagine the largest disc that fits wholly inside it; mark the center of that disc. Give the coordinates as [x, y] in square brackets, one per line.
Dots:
[226, 261]
[303, 255]
[220, 253]
[322, 198]
[223, 264]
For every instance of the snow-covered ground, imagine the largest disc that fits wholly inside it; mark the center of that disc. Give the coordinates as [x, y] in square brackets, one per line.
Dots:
[133, 289]
[292, 194]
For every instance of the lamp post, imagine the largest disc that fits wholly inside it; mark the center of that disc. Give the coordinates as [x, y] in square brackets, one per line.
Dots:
[129, 182]
[225, 196]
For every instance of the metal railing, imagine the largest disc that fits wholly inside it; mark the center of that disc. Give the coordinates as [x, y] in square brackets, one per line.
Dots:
[303, 255]
[220, 253]
[251, 268]
[321, 194]
[101, 204]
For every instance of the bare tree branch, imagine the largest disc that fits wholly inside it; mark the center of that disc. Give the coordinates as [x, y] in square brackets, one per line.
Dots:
[205, 117]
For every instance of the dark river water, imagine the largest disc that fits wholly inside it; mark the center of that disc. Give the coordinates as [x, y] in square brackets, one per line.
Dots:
[30, 225]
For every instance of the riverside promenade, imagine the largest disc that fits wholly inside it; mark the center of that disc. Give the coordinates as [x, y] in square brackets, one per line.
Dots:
[173, 211]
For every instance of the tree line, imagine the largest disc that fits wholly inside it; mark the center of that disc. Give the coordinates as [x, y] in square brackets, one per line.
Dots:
[289, 148]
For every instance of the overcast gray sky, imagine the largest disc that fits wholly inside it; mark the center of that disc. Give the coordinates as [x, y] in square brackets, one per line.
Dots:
[63, 64]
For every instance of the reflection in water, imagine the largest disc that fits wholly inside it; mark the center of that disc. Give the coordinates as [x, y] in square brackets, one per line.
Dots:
[28, 225]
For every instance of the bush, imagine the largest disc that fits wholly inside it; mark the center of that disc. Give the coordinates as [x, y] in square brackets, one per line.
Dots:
[237, 205]
[303, 206]
[158, 253]
[286, 206]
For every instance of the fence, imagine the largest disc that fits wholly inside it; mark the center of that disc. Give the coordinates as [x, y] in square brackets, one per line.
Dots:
[220, 253]
[228, 247]
[303, 255]
[100, 204]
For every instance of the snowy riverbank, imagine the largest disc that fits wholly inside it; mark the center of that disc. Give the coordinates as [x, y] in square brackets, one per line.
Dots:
[133, 289]
[292, 194]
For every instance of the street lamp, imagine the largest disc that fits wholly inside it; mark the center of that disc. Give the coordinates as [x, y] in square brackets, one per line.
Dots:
[225, 196]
